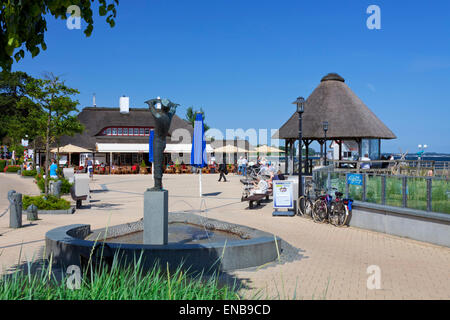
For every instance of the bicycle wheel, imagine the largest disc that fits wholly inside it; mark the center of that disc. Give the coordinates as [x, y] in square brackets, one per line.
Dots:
[338, 214]
[301, 205]
[319, 211]
[308, 208]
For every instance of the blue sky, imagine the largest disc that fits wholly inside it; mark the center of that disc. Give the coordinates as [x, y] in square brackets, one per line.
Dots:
[245, 61]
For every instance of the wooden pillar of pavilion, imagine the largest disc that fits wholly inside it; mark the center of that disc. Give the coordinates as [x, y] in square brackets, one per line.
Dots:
[307, 167]
[286, 155]
[292, 155]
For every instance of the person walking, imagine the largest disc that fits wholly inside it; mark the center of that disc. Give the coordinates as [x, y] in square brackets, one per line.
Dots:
[90, 167]
[239, 163]
[223, 171]
[244, 166]
[53, 169]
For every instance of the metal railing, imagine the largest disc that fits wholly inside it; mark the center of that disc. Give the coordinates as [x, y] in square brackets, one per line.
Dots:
[421, 193]
[395, 167]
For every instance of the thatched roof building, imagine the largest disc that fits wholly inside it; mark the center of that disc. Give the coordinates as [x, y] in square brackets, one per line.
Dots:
[114, 136]
[348, 117]
[96, 119]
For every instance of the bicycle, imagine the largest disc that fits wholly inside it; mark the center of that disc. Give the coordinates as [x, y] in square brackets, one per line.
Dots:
[337, 212]
[305, 203]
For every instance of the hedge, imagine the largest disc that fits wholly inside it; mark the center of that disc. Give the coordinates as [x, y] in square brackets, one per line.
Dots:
[11, 168]
[29, 173]
[2, 164]
[65, 187]
[42, 203]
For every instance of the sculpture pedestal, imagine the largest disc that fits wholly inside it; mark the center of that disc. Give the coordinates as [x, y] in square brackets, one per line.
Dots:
[156, 217]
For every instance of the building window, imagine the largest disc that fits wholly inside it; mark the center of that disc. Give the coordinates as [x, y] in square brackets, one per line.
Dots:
[125, 131]
[108, 131]
[114, 131]
[141, 131]
[136, 131]
[119, 131]
[147, 131]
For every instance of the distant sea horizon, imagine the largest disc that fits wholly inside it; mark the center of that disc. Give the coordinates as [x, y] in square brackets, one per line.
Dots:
[426, 156]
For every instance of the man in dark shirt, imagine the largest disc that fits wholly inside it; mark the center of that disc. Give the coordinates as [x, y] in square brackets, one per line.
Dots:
[223, 171]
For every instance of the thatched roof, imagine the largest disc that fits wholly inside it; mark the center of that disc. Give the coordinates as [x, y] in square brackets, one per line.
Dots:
[95, 119]
[347, 115]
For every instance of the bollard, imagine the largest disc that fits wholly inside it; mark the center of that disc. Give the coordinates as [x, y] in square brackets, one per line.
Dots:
[32, 212]
[15, 209]
[51, 186]
[57, 188]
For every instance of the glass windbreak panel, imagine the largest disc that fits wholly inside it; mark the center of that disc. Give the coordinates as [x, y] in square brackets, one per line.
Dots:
[320, 180]
[394, 191]
[355, 192]
[373, 189]
[338, 182]
[440, 196]
[416, 193]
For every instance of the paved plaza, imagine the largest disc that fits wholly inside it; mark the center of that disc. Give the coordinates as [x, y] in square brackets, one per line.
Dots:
[332, 262]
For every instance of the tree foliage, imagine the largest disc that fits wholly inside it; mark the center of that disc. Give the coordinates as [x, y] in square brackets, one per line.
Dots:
[23, 24]
[190, 117]
[54, 100]
[16, 109]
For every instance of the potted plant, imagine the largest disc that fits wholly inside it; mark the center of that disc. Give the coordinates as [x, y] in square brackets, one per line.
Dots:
[143, 167]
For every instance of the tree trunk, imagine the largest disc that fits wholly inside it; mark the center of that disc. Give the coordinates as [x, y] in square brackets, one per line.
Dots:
[34, 153]
[47, 152]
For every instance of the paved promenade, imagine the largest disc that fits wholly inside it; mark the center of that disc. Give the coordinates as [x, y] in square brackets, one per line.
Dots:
[333, 263]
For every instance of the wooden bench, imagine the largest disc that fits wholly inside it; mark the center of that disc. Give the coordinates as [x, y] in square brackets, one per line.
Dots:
[258, 197]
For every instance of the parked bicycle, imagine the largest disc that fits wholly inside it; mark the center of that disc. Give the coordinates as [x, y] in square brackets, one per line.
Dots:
[305, 203]
[337, 211]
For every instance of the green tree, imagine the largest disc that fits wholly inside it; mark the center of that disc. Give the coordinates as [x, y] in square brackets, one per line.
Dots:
[12, 90]
[55, 100]
[190, 117]
[23, 23]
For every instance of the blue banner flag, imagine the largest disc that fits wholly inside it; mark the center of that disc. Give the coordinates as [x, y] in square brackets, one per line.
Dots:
[150, 146]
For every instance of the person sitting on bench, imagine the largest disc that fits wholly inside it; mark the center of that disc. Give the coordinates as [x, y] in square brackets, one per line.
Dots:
[260, 187]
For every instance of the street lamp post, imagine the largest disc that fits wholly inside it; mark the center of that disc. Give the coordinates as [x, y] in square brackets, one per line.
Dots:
[300, 102]
[325, 129]
[422, 150]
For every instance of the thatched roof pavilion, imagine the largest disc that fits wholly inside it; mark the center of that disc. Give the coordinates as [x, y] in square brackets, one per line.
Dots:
[348, 117]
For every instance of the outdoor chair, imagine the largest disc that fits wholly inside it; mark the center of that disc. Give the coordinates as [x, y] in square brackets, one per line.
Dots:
[80, 189]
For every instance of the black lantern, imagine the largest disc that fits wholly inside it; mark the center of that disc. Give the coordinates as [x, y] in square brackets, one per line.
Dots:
[300, 102]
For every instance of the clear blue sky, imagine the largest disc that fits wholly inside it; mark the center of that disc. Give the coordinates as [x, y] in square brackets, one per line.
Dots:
[245, 61]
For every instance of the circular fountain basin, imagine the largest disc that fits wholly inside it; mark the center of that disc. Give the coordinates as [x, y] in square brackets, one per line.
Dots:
[197, 243]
